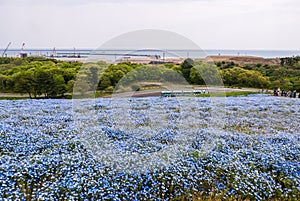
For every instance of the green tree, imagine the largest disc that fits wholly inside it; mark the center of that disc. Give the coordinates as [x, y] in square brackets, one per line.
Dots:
[244, 78]
[205, 74]
[59, 86]
[45, 81]
[105, 81]
[186, 67]
[24, 82]
[3, 82]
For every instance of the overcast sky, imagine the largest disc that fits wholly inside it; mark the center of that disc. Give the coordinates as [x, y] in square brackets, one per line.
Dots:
[212, 24]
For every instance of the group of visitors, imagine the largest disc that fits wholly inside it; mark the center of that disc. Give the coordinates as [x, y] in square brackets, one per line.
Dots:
[288, 93]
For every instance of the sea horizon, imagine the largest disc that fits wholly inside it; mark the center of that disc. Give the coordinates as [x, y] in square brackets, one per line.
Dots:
[191, 53]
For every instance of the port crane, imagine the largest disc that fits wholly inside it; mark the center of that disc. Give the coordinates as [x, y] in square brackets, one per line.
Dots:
[22, 53]
[5, 50]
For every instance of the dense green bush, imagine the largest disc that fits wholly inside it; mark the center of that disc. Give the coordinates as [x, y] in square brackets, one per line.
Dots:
[50, 78]
[244, 78]
[37, 76]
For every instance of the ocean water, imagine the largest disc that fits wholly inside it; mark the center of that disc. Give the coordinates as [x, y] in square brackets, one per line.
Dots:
[160, 53]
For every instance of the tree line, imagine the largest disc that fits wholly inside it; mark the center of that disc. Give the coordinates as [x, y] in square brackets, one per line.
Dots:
[50, 78]
[37, 77]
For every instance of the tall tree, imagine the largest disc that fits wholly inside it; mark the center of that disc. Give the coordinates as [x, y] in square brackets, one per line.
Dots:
[186, 68]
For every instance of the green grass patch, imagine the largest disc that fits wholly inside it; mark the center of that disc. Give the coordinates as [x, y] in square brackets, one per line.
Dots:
[228, 94]
[13, 98]
[100, 94]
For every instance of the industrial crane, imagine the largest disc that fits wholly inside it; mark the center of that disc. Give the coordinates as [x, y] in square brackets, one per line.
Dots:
[22, 53]
[6, 49]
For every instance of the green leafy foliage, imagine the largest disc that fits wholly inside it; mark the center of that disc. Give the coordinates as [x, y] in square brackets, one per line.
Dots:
[186, 67]
[131, 75]
[205, 74]
[37, 77]
[42, 77]
[244, 78]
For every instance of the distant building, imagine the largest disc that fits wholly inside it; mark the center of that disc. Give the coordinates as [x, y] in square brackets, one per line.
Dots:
[22, 55]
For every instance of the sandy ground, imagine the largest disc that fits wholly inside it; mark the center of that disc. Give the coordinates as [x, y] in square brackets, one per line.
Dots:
[240, 60]
[244, 60]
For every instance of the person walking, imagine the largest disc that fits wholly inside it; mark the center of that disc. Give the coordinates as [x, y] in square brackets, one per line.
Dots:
[288, 93]
[295, 94]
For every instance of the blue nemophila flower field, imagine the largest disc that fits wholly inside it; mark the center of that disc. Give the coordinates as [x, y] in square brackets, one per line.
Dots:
[150, 149]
